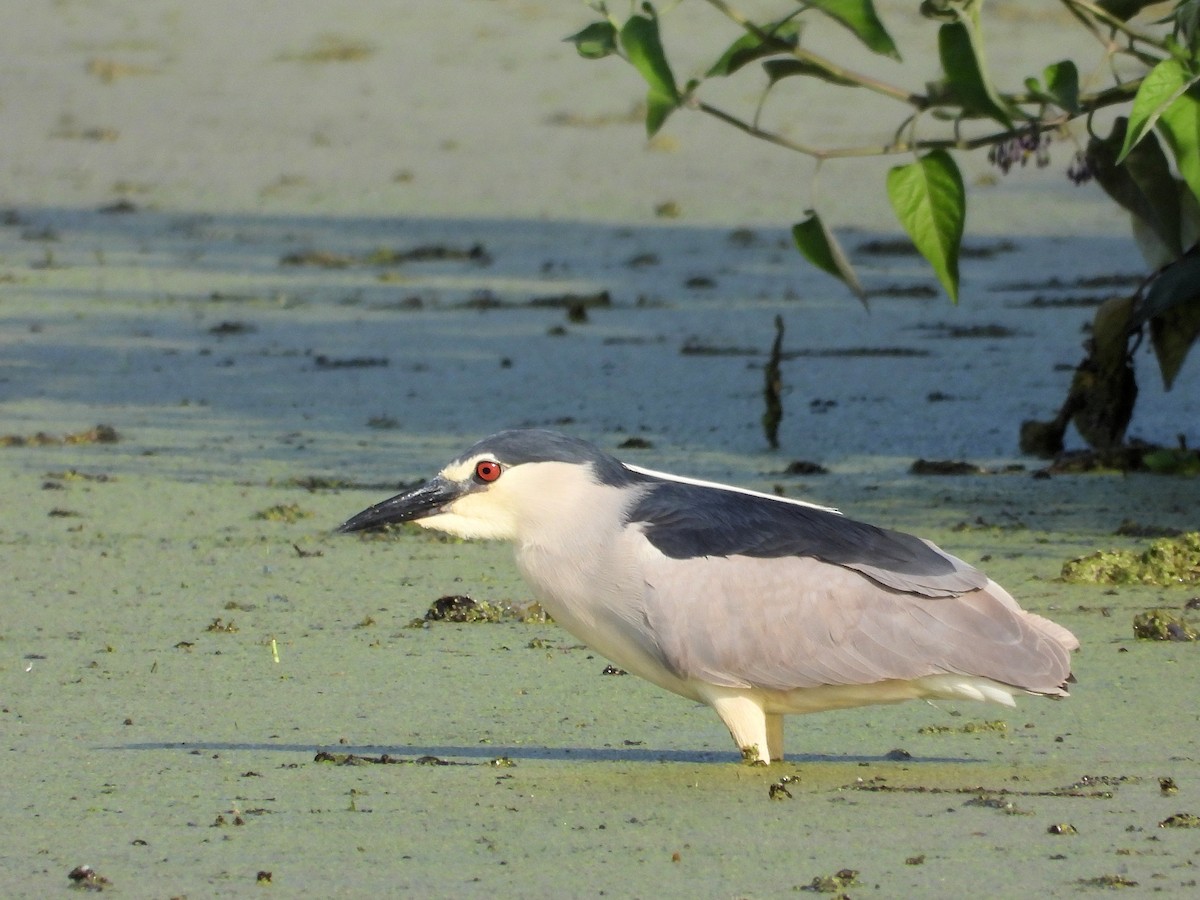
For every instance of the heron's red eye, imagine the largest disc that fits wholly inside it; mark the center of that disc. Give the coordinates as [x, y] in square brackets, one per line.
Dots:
[487, 470]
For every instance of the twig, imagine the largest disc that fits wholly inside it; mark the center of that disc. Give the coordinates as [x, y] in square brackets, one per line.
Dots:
[918, 101]
[773, 388]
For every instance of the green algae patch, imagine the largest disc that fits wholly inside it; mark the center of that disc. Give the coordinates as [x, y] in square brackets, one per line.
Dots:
[1165, 562]
[1162, 625]
[283, 512]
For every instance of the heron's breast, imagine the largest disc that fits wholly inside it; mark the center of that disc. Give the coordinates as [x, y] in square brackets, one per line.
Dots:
[598, 597]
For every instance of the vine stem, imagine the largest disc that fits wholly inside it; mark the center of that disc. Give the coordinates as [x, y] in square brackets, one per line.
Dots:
[1078, 7]
[919, 101]
[1088, 104]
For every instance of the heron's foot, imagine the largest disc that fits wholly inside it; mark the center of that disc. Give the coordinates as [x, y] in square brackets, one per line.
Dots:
[752, 756]
[746, 720]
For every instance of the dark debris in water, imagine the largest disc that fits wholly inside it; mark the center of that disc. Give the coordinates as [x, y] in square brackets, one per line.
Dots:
[988, 801]
[857, 352]
[230, 327]
[453, 608]
[1131, 528]
[696, 347]
[1108, 881]
[635, 443]
[573, 301]
[945, 467]
[1105, 780]
[88, 879]
[1044, 439]
[967, 332]
[101, 434]
[920, 291]
[351, 362]
[314, 483]
[804, 467]
[887, 247]
[1162, 625]
[982, 524]
[997, 726]
[779, 791]
[387, 256]
[461, 608]
[1062, 828]
[833, 884]
[1116, 280]
[1181, 820]
[1087, 788]
[289, 513]
[1076, 301]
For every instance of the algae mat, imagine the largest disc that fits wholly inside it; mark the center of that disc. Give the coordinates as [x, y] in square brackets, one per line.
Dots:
[175, 663]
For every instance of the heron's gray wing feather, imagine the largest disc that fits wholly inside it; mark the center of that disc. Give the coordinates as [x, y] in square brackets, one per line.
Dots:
[689, 521]
[798, 622]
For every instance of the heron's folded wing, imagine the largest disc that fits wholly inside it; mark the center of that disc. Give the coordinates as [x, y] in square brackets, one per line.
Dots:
[796, 622]
[689, 521]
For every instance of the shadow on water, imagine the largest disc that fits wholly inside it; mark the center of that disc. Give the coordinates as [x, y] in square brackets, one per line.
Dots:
[484, 754]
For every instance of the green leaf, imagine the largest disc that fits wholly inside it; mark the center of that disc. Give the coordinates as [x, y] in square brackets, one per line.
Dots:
[961, 51]
[1142, 183]
[860, 17]
[1187, 22]
[1062, 86]
[1062, 83]
[819, 246]
[642, 44]
[1161, 87]
[750, 47]
[777, 69]
[1180, 126]
[596, 41]
[929, 200]
[1172, 306]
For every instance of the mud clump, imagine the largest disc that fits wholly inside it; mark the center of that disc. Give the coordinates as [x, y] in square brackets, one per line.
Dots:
[460, 608]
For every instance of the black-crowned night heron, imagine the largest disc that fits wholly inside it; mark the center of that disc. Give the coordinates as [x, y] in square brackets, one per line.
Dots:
[757, 605]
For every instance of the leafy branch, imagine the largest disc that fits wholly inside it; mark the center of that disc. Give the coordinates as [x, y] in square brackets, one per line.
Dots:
[964, 110]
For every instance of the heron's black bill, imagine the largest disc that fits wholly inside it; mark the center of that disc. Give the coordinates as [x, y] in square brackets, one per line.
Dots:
[413, 504]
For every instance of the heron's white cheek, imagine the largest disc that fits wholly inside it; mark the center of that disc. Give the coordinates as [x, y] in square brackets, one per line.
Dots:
[474, 516]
